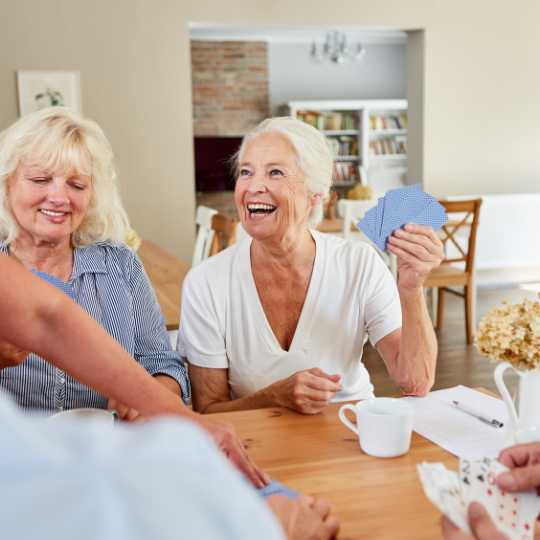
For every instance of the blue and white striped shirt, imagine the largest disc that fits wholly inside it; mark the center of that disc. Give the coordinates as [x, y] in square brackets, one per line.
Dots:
[110, 283]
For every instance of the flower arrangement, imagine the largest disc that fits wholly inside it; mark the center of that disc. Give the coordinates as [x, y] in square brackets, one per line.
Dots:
[511, 333]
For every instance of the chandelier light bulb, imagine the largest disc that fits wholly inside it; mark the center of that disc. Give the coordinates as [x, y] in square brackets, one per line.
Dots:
[336, 49]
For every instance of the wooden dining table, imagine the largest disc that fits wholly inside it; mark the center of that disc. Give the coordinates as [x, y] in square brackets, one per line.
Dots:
[166, 273]
[374, 498]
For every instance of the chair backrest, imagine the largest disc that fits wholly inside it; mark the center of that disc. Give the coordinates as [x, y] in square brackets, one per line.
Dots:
[459, 234]
[224, 229]
[351, 211]
[205, 233]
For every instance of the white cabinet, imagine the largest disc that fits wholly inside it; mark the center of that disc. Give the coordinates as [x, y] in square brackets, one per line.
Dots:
[368, 138]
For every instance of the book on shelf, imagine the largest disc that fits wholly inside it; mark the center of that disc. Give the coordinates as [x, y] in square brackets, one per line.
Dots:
[330, 120]
[388, 146]
[343, 145]
[381, 122]
[345, 173]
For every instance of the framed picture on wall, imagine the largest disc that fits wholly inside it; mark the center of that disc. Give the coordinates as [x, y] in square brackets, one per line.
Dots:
[40, 89]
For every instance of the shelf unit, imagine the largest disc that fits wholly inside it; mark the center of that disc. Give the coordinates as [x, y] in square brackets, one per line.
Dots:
[376, 130]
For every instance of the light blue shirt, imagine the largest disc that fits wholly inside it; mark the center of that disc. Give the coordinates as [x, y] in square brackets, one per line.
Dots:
[110, 283]
[161, 480]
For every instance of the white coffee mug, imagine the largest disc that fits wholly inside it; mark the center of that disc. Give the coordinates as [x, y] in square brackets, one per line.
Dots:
[383, 425]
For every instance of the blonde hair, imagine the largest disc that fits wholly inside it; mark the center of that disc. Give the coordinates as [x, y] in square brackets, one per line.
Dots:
[58, 137]
[312, 151]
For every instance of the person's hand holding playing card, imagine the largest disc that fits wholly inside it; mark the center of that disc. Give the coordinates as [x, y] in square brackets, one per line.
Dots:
[418, 250]
[524, 475]
[404, 223]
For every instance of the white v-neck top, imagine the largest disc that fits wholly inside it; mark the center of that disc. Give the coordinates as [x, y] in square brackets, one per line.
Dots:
[351, 296]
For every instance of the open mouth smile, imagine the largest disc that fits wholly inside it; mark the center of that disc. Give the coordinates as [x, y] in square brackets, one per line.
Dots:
[53, 213]
[56, 217]
[260, 209]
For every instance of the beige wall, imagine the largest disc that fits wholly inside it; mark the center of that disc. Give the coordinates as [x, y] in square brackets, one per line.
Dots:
[481, 112]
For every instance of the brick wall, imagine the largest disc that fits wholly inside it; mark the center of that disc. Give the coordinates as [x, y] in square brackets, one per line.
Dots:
[230, 86]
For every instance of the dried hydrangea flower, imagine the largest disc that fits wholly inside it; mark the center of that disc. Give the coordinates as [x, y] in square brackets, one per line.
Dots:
[511, 333]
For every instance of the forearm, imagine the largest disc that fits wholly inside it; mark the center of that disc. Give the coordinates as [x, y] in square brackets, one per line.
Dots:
[258, 400]
[37, 317]
[102, 363]
[414, 369]
[169, 382]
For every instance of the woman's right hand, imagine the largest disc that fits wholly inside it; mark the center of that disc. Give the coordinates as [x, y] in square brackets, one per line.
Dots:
[307, 392]
[305, 518]
[10, 355]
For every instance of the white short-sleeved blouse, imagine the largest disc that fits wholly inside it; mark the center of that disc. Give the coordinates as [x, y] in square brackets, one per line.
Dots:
[351, 297]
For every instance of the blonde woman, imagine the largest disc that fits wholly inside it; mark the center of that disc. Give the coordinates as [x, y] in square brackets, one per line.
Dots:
[61, 217]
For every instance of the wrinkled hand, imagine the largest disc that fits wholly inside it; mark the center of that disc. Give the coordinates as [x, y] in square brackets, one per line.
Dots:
[481, 526]
[10, 355]
[418, 250]
[305, 518]
[229, 442]
[124, 412]
[307, 392]
[523, 461]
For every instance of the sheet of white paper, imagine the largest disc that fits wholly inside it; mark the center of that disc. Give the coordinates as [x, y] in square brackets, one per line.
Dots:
[463, 435]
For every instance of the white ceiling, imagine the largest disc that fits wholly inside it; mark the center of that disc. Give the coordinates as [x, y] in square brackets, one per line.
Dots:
[293, 34]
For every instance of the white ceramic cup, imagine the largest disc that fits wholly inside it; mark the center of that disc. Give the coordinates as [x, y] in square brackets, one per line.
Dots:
[383, 425]
[85, 414]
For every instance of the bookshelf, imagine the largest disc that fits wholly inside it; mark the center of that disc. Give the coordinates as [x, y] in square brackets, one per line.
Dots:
[368, 138]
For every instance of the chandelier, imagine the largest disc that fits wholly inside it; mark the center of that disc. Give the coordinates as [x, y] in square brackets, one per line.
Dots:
[336, 49]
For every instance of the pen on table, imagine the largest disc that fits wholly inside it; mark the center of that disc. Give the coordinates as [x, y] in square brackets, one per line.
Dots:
[467, 410]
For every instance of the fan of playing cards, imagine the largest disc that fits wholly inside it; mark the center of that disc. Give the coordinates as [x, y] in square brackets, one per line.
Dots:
[399, 207]
[512, 513]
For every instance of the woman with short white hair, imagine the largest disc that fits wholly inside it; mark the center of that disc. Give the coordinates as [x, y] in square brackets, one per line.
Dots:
[282, 317]
[61, 217]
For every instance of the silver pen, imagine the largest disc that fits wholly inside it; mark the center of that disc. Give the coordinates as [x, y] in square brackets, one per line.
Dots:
[467, 410]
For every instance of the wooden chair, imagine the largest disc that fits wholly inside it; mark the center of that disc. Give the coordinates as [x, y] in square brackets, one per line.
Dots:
[352, 211]
[205, 233]
[459, 239]
[215, 233]
[224, 229]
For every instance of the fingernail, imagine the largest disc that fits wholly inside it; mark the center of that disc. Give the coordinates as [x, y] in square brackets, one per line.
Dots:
[475, 510]
[506, 481]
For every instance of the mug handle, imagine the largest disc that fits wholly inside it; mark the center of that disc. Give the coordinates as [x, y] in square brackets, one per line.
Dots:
[344, 419]
[501, 386]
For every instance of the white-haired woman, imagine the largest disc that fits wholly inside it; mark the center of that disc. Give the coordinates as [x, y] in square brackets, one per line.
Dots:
[282, 317]
[62, 218]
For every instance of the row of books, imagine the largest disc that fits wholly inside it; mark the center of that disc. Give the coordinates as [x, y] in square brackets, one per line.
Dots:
[388, 145]
[343, 145]
[329, 120]
[345, 173]
[387, 121]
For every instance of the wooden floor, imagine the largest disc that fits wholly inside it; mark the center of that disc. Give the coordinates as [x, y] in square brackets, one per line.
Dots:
[457, 363]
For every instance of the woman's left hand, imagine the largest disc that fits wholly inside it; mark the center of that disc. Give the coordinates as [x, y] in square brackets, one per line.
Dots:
[418, 250]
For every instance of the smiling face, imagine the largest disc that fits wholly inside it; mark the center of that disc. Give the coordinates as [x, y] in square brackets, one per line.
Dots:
[48, 205]
[271, 195]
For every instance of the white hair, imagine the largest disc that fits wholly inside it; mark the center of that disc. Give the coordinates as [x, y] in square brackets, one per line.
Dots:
[312, 151]
[57, 137]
